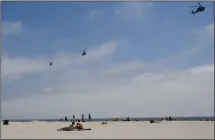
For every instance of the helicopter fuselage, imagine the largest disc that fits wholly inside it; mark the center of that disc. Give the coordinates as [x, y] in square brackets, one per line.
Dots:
[201, 9]
[84, 53]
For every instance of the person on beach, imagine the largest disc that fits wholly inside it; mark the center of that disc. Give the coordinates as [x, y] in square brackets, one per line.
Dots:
[79, 126]
[127, 119]
[73, 117]
[66, 118]
[152, 121]
[82, 118]
[70, 128]
[89, 116]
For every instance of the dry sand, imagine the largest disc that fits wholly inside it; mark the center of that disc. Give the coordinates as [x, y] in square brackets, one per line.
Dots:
[116, 130]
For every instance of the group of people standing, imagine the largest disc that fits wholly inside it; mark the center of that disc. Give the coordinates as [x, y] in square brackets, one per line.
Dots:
[82, 118]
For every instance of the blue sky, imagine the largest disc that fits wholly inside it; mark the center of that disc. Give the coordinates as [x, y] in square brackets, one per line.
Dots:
[125, 40]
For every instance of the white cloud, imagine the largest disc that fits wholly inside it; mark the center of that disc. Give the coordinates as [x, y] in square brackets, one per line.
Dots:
[9, 27]
[176, 93]
[105, 50]
[48, 89]
[210, 29]
[83, 86]
[202, 39]
[133, 10]
[93, 14]
[200, 70]
[125, 67]
[18, 67]
[203, 34]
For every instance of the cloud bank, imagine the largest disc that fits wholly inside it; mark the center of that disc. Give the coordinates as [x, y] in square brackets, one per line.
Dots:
[92, 84]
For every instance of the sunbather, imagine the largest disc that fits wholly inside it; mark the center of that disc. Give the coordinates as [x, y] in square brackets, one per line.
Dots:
[70, 128]
[152, 121]
[80, 127]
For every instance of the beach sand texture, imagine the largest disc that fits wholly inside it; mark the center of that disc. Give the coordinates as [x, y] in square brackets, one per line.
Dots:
[112, 130]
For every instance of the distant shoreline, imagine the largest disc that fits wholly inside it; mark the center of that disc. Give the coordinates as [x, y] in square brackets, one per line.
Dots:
[111, 119]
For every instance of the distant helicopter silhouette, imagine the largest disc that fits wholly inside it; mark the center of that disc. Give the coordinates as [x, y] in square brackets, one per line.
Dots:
[84, 53]
[199, 9]
[50, 63]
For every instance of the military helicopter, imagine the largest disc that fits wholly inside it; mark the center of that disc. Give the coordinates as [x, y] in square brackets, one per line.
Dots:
[199, 9]
[84, 53]
[50, 63]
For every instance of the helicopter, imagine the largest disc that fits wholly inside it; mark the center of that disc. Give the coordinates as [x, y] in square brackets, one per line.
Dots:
[50, 63]
[200, 8]
[84, 53]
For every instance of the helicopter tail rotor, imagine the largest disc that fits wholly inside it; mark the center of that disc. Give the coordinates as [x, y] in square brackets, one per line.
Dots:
[206, 5]
[199, 4]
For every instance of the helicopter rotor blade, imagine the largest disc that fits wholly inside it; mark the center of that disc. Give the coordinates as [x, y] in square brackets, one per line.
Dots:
[193, 6]
[208, 5]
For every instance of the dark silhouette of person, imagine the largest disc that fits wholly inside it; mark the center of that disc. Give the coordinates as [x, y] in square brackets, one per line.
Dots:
[73, 117]
[6, 122]
[66, 118]
[166, 118]
[170, 118]
[82, 118]
[89, 116]
[128, 119]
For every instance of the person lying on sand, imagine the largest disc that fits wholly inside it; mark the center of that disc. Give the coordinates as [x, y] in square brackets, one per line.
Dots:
[152, 121]
[70, 128]
[80, 126]
[104, 123]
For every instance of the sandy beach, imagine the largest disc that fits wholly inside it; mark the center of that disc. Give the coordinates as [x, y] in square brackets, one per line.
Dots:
[112, 130]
